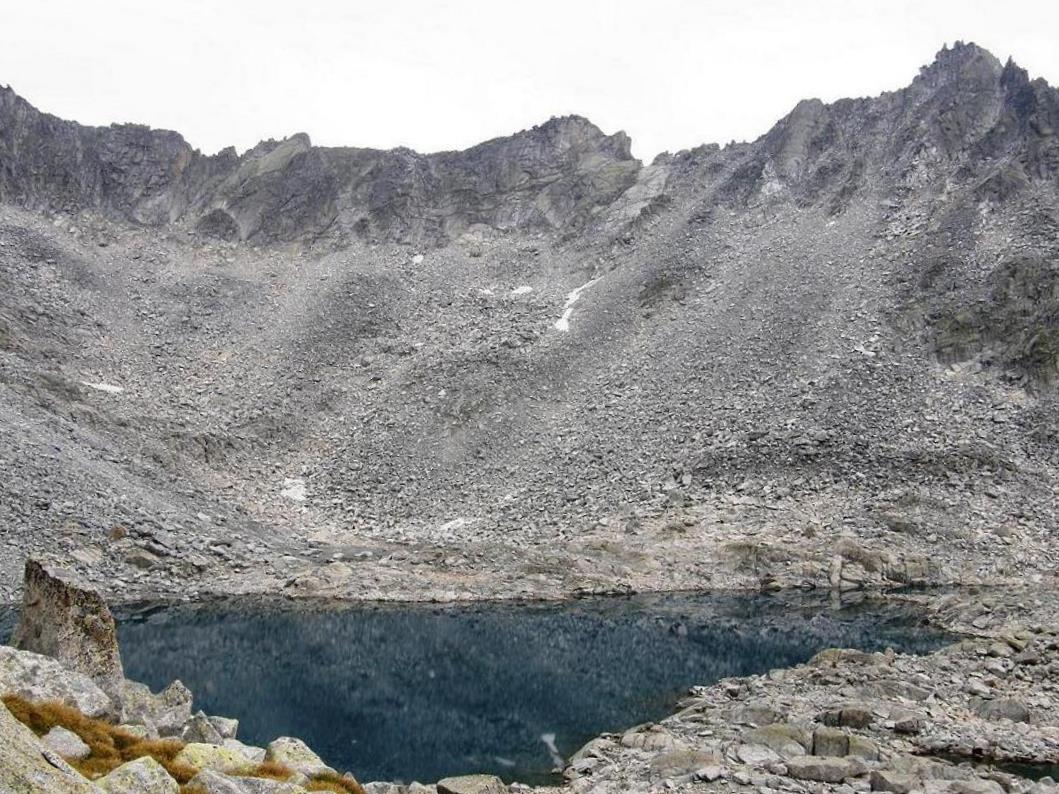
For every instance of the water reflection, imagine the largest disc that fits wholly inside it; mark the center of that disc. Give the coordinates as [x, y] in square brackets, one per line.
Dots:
[420, 692]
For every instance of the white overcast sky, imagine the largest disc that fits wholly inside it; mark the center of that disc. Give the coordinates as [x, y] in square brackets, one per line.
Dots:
[445, 74]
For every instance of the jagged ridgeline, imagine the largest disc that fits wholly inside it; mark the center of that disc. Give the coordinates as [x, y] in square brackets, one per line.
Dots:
[539, 366]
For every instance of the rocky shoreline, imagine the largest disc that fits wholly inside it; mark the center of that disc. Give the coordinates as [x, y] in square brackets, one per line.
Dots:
[846, 721]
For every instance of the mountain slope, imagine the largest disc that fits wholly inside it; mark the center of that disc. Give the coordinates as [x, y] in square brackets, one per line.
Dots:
[825, 357]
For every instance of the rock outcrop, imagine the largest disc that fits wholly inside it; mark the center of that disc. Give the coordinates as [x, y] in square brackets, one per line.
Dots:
[555, 176]
[70, 623]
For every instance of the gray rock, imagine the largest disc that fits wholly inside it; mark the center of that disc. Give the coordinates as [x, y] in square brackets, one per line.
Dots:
[888, 780]
[784, 738]
[710, 773]
[830, 742]
[295, 753]
[142, 776]
[908, 722]
[255, 754]
[681, 762]
[37, 677]
[975, 786]
[825, 770]
[165, 713]
[863, 748]
[199, 728]
[212, 782]
[472, 784]
[225, 726]
[850, 716]
[1002, 709]
[66, 743]
[756, 755]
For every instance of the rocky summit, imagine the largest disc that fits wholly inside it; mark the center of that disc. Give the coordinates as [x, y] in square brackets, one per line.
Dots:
[537, 368]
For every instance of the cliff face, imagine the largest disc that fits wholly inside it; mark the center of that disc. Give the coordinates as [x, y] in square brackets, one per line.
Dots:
[554, 176]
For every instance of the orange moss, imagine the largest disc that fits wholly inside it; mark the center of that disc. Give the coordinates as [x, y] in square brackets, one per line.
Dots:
[330, 781]
[268, 769]
[112, 746]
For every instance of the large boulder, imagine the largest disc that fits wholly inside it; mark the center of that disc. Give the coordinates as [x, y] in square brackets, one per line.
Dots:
[27, 767]
[69, 622]
[142, 776]
[35, 677]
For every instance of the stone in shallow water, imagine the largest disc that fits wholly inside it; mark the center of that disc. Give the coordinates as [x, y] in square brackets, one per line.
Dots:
[66, 743]
[142, 776]
[472, 784]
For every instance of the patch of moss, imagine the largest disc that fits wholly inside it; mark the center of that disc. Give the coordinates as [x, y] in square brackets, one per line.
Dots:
[330, 781]
[111, 746]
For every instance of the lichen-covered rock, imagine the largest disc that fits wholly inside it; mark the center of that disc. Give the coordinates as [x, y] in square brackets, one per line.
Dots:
[69, 622]
[209, 781]
[255, 754]
[27, 767]
[212, 756]
[142, 776]
[295, 754]
[66, 743]
[472, 784]
[37, 677]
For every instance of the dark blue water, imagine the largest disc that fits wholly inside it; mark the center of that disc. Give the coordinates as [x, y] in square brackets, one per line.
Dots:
[421, 692]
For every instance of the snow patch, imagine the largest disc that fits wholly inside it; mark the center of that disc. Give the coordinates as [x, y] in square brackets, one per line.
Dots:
[417, 259]
[553, 751]
[293, 489]
[525, 289]
[563, 323]
[109, 388]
